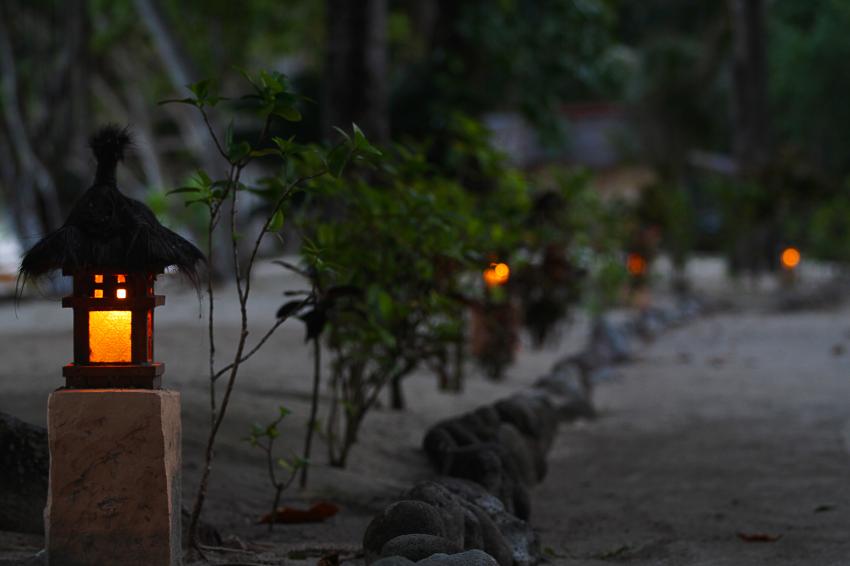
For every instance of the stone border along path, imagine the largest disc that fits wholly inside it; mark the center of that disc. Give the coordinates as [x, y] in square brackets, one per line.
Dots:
[476, 511]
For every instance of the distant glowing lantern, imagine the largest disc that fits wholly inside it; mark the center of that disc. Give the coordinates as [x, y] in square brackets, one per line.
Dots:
[497, 274]
[636, 265]
[114, 248]
[790, 258]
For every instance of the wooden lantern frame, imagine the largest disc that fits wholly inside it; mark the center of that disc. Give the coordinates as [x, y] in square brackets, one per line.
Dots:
[114, 290]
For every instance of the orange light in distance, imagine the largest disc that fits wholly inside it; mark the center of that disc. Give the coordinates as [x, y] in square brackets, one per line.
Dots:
[121, 278]
[98, 278]
[636, 265]
[497, 274]
[98, 293]
[121, 293]
[790, 258]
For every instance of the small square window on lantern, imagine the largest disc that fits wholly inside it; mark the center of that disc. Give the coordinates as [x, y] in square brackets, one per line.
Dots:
[113, 247]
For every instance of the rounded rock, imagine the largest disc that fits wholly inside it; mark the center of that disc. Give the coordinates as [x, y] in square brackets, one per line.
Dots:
[402, 518]
[448, 505]
[419, 546]
[468, 558]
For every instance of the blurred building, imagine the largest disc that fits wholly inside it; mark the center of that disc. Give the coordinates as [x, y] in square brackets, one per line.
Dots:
[598, 138]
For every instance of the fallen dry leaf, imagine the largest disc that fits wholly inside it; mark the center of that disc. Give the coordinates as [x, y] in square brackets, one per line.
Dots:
[289, 515]
[758, 537]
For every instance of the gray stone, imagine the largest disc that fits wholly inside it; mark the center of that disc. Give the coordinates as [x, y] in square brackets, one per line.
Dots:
[521, 452]
[402, 518]
[481, 463]
[479, 530]
[393, 561]
[609, 342]
[449, 508]
[520, 538]
[24, 463]
[493, 542]
[565, 380]
[547, 415]
[649, 324]
[437, 444]
[520, 413]
[461, 432]
[419, 546]
[569, 388]
[473, 493]
[479, 425]
[468, 558]
[488, 414]
[491, 465]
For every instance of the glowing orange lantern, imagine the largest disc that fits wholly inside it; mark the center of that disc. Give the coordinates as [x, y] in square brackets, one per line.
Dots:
[636, 265]
[497, 274]
[113, 330]
[790, 258]
[113, 247]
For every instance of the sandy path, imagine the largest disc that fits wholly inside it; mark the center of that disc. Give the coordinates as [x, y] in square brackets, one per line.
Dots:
[737, 423]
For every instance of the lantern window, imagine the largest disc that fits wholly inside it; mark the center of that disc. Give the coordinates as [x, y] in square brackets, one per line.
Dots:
[121, 278]
[98, 293]
[98, 278]
[121, 293]
[110, 334]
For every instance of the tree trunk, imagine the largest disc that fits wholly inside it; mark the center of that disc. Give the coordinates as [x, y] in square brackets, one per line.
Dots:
[750, 118]
[397, 401]
[356, 68]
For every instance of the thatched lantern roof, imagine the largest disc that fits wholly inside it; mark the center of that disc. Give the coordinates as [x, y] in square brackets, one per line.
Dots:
[107, 230]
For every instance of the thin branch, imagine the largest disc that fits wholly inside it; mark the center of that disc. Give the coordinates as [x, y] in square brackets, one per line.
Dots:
[212, 133]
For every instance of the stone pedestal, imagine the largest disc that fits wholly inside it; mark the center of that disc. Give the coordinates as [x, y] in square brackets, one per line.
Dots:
[114, 495]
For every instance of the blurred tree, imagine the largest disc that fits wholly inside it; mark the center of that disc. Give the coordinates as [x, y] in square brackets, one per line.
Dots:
[751, 144]
[45, 102]
[809, 51]
[480, 56]
[356, 82]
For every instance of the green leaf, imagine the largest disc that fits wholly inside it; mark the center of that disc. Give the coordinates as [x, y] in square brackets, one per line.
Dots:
[264, 152]
[201, 88]
[190, 101]
[183, 190]
[337, 160]
[203, 96]
[285, 465]
[289, 113]
[283, 412]
[239, 151]
[342, 133]
[385, 305]
[276, 223]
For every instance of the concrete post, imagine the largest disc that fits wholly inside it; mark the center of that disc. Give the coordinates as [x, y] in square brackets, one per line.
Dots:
[115, 461]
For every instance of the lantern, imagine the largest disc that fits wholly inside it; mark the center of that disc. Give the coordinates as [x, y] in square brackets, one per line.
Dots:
[113, 247]
[790, 258]
[113, 330]
[496, 275]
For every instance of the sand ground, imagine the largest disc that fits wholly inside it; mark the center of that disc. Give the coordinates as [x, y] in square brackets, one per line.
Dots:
[738, 424]
[735, 424]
